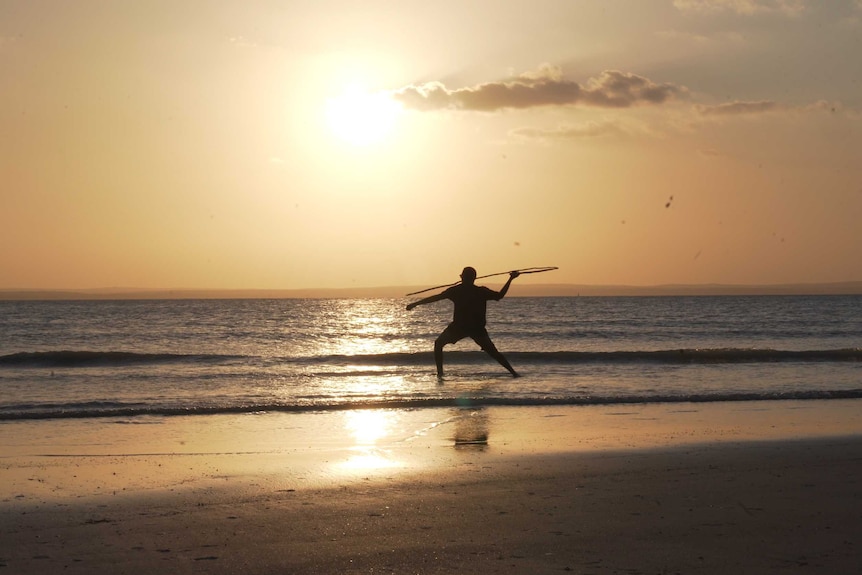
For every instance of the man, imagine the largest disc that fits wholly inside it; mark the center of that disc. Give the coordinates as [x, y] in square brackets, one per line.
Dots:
[469, 316]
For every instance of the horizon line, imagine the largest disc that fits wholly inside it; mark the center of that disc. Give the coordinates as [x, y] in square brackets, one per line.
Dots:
[523, 290]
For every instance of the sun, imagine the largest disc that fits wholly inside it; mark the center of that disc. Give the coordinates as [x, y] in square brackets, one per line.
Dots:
[361, 118]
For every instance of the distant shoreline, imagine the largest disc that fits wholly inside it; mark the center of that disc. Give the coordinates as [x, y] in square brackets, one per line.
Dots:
[523, 290]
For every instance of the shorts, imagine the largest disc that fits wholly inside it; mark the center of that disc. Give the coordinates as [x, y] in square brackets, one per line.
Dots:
[454, 333]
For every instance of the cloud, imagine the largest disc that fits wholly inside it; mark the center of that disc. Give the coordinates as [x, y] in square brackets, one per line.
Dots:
[242, 41]
[546, 87]
[764, 107]
[854, 19]
[7, 41]
[568, 132]
[825, 106]
[739, 108]
[721, 40]
[743, 7]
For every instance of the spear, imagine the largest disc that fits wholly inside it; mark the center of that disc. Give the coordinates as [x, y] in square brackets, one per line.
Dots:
[523, 271]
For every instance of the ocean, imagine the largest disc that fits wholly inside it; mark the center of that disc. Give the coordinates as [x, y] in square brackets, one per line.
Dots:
[73, 359]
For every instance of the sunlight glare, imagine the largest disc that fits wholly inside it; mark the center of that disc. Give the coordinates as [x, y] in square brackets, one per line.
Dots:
[361, 118]
[367, 426]
[368, 461]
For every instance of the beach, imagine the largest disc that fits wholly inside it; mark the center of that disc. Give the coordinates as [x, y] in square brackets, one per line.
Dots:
[746, 487]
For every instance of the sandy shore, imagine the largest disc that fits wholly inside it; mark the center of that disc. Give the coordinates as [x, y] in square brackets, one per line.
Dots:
[768, 487]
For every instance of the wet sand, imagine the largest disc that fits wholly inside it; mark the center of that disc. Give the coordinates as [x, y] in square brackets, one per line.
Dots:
[766, 487]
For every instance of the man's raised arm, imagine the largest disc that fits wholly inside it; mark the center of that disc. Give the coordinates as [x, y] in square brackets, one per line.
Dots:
[502, 292]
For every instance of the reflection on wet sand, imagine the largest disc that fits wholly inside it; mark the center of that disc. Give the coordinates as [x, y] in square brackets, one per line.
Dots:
[368, 428]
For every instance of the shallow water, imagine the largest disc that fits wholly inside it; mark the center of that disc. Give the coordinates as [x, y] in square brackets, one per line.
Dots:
[86, 358]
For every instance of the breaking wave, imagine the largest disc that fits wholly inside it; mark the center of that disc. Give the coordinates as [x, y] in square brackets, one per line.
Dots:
[115, 409]
[72, 359]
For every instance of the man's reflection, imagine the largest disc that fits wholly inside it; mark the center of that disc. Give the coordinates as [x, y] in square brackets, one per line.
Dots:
[471, 429]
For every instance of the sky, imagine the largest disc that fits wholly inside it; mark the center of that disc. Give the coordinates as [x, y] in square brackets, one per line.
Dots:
[291, 144]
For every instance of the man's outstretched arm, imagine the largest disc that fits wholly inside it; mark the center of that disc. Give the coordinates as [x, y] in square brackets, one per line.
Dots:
[423, 301]
[505, 290]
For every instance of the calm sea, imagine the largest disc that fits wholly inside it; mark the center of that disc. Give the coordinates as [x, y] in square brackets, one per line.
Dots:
[61, 359]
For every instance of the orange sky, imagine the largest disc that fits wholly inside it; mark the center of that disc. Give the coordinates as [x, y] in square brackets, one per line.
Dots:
[278, 144]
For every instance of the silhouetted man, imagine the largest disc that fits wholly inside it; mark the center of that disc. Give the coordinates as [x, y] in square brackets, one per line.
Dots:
[469, 316]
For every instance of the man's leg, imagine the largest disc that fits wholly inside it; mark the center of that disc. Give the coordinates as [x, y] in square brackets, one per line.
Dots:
[450, 335]
[438, 356]
[486, 344]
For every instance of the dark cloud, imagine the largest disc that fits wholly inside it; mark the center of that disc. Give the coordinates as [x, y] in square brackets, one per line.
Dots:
[737, 108]
[611, 89]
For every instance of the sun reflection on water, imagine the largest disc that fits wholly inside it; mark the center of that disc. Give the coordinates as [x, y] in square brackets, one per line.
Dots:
[364, 327]
[350, 329]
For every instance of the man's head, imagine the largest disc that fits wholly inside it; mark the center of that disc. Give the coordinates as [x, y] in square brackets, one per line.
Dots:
[468, 275]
